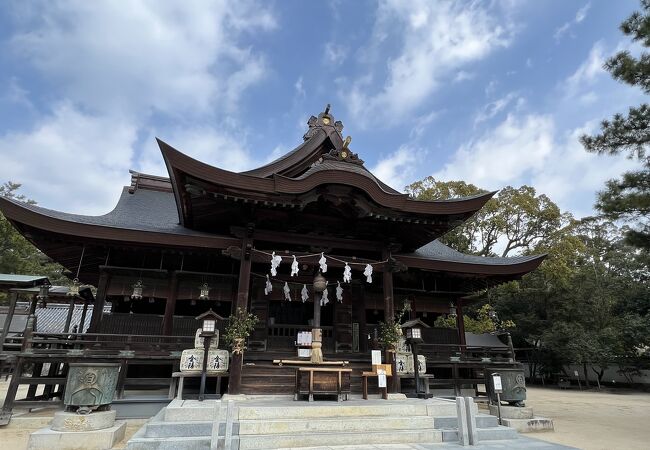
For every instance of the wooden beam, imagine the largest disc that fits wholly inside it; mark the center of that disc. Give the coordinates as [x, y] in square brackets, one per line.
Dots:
[68, 319]
[170, 305]
[13, 297]
[100, 300]
[460, 321]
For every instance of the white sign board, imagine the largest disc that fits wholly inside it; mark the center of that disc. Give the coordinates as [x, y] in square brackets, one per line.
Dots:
[376, 357]
[381, 378]
[575, 373]
[496, 381]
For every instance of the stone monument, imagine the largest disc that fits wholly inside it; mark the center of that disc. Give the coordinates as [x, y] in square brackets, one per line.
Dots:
[87, 421]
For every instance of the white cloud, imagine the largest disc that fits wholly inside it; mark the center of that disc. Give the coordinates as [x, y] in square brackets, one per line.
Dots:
[462, 75]
[421, 124]
[581, 14]
[528, 150]
[226, 150]
[335, 54]
[113, 69]
[436, 39]
[398, 169]
[70, 161]
[300, 89]
[586, 74]
[508, 154]
[162, 56]
[493, 108]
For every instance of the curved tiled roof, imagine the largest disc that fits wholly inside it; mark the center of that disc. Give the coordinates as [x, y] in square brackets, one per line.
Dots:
[439, 251]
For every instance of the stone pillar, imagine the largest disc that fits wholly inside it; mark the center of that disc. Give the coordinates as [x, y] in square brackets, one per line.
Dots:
[170, 305]
[13, 298]
[100, 300]
[234, 383]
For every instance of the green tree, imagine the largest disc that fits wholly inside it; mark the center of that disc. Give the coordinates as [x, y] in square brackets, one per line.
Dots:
[19, 256]
[519, 217]
[628, 198]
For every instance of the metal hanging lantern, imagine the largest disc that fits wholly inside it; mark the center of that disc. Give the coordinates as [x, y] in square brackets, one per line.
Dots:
[137, 290]
[452, 310]
[205, 292]
[73, 291]
[320, 283]
[43, 292]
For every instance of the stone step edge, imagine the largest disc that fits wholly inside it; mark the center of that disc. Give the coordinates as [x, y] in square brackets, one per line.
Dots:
[337, 433]
[330, 419]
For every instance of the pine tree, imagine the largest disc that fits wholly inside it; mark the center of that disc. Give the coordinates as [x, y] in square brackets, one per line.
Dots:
[628, 198]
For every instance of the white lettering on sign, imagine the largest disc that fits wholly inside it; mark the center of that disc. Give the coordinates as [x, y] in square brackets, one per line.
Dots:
[496, 380]
[376, 357]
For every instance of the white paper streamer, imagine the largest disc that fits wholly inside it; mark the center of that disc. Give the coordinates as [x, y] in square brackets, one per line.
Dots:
[275, 262]
[324, 300]
[368, 273]
[287, 292]
[323, 263]
[294, 267]
[304, 294]
[268, 287]
[339, 292]
[347, 274]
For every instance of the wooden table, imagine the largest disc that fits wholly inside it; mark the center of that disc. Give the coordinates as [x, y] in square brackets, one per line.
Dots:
[322, 380]
[178, 378]
[388, 371]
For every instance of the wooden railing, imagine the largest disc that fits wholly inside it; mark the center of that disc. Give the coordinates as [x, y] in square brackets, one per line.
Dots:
[284, 336]
[450, 352]
[102, 344]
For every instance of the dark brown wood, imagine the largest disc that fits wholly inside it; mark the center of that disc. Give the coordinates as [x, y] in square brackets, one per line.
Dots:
[460, 321]
[13, 298]
[68, 318]
[100, 301]
[234, 384]
[84, 311]
[170, 306]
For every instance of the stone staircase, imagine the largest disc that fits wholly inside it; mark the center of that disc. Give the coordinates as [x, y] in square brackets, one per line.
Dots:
[282, 423]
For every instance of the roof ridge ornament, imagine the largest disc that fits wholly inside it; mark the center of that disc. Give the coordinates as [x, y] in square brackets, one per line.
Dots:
[324, 119]
[344, 154]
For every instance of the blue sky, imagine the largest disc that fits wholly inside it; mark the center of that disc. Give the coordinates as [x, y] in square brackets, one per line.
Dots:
[495, 93]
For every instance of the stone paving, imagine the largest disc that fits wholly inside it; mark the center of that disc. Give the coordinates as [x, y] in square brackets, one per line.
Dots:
[510, 444]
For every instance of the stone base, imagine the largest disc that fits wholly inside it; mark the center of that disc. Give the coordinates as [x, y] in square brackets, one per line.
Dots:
[47, 439]
[530, 425]
[512, 412]
[396, 396]
[70, 421]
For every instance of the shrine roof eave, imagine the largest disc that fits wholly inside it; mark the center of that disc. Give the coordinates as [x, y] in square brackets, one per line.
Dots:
[179, 164]
[79, 227]
[438, 257]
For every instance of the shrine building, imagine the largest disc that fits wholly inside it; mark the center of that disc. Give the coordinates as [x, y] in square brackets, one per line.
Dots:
[204, 238]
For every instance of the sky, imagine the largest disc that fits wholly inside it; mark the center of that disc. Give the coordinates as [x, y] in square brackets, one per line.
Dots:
[495, 93]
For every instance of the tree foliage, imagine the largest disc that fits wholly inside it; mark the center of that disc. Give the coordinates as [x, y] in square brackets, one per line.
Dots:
[17, 254]
[588, 303]
[628, 198]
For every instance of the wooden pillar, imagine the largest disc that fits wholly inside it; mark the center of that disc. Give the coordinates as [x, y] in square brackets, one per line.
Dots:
[100, 300]
[389, 308]
[460, 321]
[82, 322]
[170, 305]
[389, 316]
[234, 383]
[68, 319]
[13, 298]
[317, 299]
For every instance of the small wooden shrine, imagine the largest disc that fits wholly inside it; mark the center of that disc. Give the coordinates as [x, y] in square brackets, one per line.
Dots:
[205, 237]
